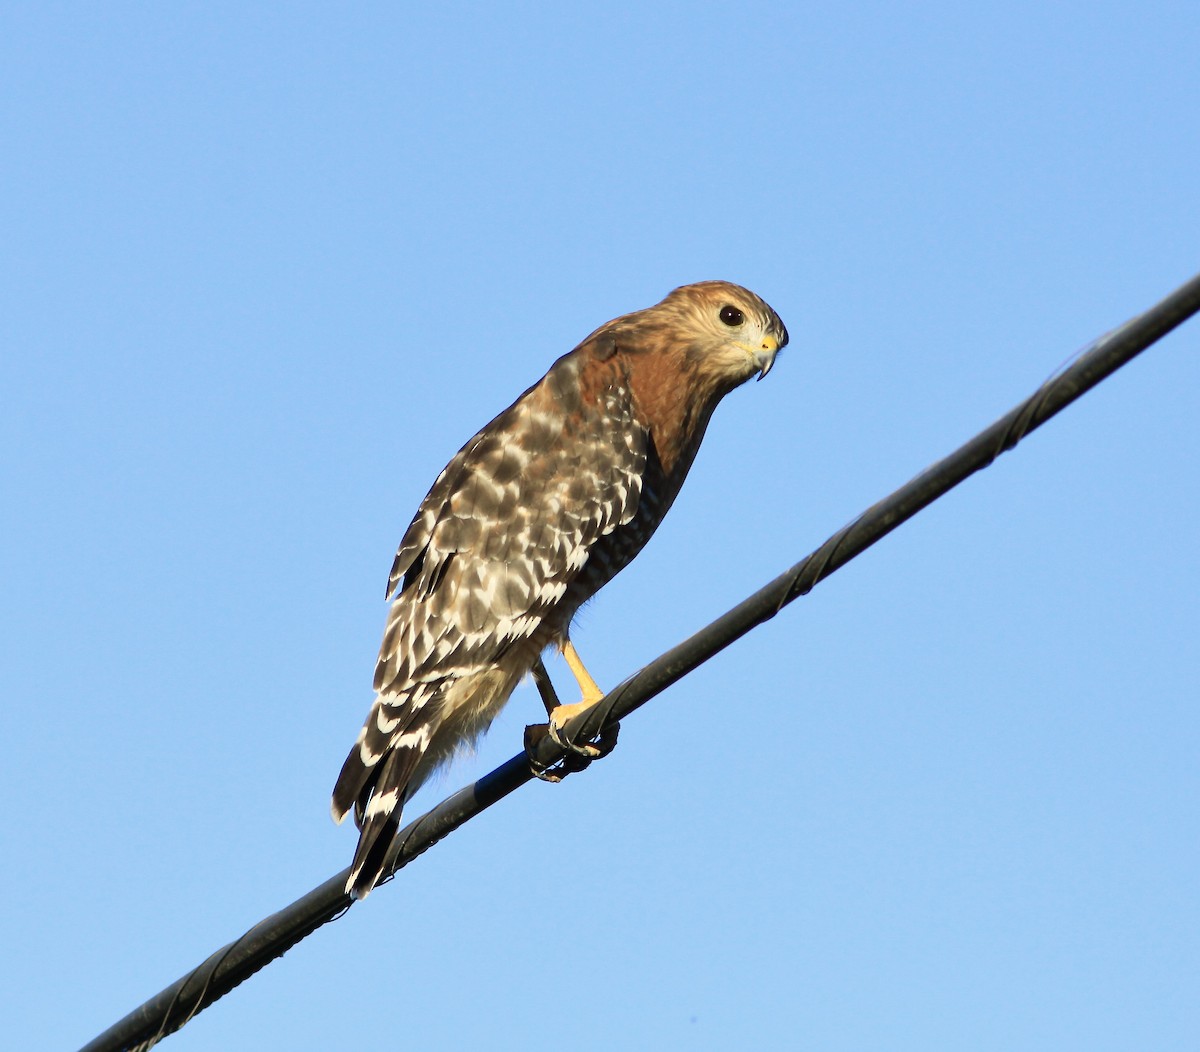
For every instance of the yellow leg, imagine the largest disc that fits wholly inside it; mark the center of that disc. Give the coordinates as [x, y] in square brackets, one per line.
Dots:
[563, 714]
[587, 685]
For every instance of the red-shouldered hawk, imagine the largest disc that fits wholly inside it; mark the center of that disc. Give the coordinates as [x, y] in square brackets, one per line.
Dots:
[528, 521]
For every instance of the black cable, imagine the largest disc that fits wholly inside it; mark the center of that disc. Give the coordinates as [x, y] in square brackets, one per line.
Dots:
[169, 1010]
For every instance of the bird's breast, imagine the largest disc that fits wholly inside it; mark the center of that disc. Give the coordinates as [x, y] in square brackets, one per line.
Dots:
[612, 552]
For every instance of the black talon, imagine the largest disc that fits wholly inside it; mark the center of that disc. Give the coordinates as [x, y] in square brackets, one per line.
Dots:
[534, 734]
[575, 760]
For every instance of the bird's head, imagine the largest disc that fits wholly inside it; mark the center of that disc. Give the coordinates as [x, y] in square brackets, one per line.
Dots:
[725, 332]
[695, 346]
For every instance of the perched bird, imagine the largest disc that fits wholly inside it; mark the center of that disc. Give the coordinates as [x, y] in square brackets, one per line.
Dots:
[530, 519]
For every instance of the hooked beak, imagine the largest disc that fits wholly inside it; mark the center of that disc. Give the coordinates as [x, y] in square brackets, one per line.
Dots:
[764, 356]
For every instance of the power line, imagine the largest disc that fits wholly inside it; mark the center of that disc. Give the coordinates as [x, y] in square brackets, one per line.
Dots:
[169, 1010]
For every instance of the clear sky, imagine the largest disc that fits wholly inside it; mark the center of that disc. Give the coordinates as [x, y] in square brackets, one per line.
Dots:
[265, 268]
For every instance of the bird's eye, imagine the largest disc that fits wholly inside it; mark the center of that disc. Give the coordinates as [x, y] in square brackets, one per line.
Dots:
[732, 316]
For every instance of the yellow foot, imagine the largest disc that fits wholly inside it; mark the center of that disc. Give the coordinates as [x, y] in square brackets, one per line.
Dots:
[559, 719]
[580, 752]
[578, 755]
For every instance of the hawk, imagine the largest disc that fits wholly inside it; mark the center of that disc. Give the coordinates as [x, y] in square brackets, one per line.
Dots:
[530, 519]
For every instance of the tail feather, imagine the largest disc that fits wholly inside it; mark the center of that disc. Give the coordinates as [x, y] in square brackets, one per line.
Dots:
[395, 722]
[373, 844]
[382, 771]
[353, 783]
[379, 807]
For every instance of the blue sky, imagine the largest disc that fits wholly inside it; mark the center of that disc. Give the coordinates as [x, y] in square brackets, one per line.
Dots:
[265, 269]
